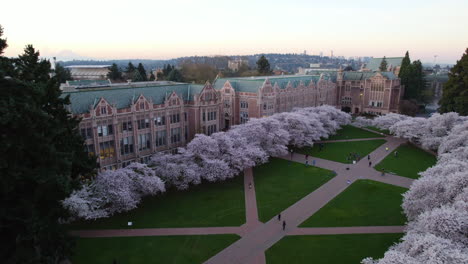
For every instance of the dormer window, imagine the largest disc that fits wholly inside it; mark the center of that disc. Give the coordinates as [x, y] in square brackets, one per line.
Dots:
[142, 105]
[103, 110]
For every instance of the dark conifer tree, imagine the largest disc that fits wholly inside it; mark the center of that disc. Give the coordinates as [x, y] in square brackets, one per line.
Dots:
[455, 92]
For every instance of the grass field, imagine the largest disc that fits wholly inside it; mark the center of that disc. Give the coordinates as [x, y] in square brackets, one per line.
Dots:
[408, 163]
[281, 183]
[330, 249]
[339, 151]
[385, 131]
[162, 249]
[350, 132]
[363, 203]
[205, 205]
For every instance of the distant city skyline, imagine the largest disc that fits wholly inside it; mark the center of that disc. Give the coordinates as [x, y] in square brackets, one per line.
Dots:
[164, 30]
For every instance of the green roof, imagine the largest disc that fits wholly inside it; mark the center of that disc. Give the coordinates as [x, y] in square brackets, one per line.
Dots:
[123, 96]
[374, 63]
[253, 84]
[359, 76]
[88, 82]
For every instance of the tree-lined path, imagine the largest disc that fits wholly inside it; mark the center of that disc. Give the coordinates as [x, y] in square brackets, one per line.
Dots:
[257, 237]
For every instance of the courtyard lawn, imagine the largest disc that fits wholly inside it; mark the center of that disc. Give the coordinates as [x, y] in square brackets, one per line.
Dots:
[281, 183]
[205, 205]
[364, 203]
[339, 151]
[408, 163]
[330, 249]
[385, 131]
[154, 249]
[350, 132]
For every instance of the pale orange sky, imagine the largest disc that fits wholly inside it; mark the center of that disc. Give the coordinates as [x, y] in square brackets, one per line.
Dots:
[167, 29]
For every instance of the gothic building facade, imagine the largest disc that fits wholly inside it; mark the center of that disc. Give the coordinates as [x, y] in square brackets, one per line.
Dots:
[122, 123]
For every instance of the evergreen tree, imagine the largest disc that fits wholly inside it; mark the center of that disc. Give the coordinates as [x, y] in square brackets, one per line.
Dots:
[62, 74]
[114, 73]
[383, 64]
[418, 82]
[142, 72]
[152, 77]
[455, 92]
[3, 42]
[405, 75]
[129, 70]
[136, 76]
[263, 66]
[42, 156]
[30, 68]
[175, 76]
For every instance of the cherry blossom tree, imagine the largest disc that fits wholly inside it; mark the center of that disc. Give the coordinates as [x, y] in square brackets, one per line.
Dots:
[363, 122]
[388, 120]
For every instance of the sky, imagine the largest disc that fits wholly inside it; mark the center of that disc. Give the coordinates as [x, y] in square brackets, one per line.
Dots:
[154, 29]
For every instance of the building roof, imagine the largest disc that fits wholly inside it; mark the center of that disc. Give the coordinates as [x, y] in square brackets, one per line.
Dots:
[359, 76]
[374, 63]
[123, 95]
[253, 84]
[87, 66]
[79, 83]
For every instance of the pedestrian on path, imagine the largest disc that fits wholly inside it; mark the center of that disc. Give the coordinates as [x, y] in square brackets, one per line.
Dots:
[386, 149]
[383, 172]
[396, 154]
[370, 163]
[284, 225]
[368, 157]
[348, 182]
[307, 156]
[307, 163]
[250, 185]
[279, 217]
[292, 152]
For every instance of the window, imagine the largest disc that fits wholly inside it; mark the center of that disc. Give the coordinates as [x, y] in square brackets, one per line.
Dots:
[244, 104]
[211, 129]
[227, 103]
[145, 160]
[186, 133]
[103, 110]
[347, 87]
[142, 106]
[160, 120]
[264, 106]
[144, 141]
[203, 116]
[107, 149]
[161, 138]
[175, 135]
[174, 118]
[143, 123]
[185, 116]
[211, 116]
[126, 145]
[126, 126]
[244, 117]
[90, 149]
[105, 130]
[86, 132]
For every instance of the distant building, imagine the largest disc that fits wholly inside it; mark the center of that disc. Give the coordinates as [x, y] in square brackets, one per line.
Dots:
[89, 72]
[435, 82]
[393, 64]
[234, 65]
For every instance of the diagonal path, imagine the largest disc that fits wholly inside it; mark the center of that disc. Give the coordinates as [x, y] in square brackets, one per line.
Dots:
[349, 140]
[250, 201]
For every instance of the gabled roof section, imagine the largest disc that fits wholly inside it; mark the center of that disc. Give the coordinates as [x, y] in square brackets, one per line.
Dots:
[374, 63]
[123, 97]
[253, 84]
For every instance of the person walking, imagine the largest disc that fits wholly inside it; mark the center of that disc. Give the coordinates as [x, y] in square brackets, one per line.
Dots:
[292, 152]
[383, 172]
[250, 185]
[279, 217]
[348, 182]
[386, 149]
[370, 163]
[396, 154]
[307, 156]
[307, 163]
[368, 157]
[284, 225]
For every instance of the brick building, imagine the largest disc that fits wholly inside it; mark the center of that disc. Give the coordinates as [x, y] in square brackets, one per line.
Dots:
[128, 122]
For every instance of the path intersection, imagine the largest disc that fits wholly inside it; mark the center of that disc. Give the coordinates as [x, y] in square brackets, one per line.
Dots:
[257, 237]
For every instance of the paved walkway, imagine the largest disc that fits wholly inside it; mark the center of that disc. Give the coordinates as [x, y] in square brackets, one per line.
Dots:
[257, 237]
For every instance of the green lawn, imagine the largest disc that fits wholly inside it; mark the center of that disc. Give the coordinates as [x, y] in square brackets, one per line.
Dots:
[205, 205]
[281, 183]
[330, 249]
[162, 249]
[408, 163]
[350, 132]
[339, 151]
[385, 131]
[364, 203]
